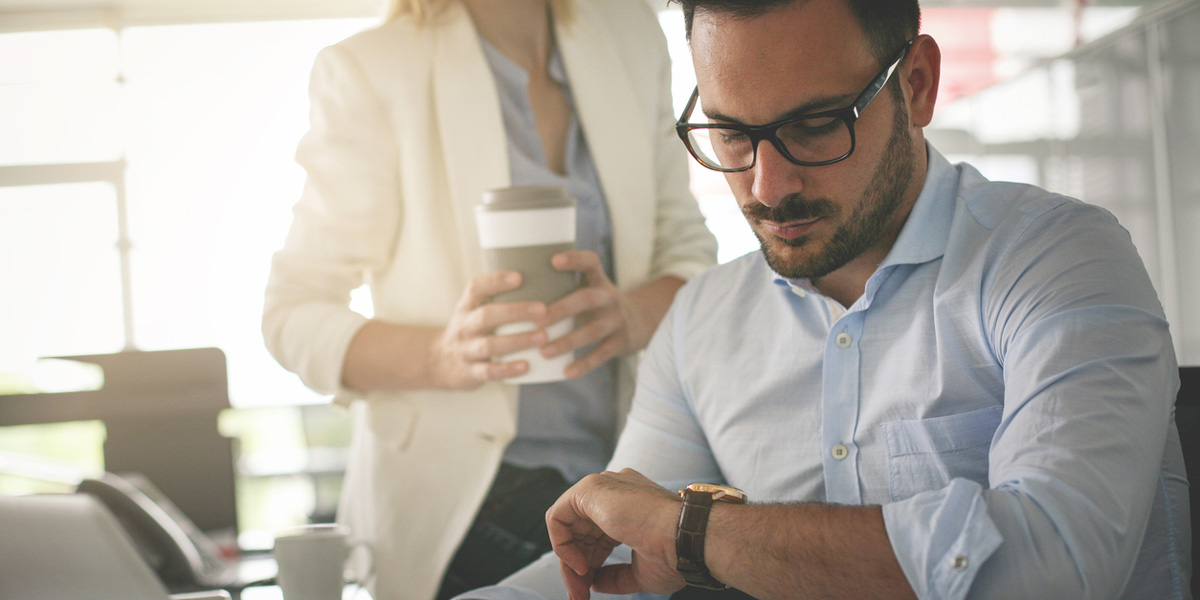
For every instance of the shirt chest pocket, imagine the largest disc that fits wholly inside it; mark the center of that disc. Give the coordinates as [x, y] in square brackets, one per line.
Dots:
[925, 454]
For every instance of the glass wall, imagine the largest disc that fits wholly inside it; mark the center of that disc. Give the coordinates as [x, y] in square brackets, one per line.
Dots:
[1115, 124]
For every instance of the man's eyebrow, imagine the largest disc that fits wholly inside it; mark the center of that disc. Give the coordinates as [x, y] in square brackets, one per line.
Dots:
[812, 106]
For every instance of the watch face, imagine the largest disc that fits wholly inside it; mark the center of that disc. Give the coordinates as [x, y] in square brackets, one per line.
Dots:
[722, 493]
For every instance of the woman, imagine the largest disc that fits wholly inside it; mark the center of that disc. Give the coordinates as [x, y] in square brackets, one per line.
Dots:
[411, 123]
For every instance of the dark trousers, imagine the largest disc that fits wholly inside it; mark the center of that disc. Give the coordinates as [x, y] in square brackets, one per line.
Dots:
[509, 532]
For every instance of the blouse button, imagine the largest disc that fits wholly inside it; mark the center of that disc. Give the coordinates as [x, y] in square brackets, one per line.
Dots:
[843, 340]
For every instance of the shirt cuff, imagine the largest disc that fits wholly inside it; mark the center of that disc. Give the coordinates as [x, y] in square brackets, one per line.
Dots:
[317, 343]
[942, 538]
[541, 580]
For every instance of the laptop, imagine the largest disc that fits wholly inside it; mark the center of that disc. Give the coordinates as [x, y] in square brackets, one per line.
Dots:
[70, 547]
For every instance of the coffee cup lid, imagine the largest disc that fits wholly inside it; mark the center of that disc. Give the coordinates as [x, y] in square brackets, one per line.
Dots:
[526, 197]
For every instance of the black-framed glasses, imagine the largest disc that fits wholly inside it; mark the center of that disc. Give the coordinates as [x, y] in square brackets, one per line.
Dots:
[810, 140]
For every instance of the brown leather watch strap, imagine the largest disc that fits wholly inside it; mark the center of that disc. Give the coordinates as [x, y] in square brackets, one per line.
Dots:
[689, 539]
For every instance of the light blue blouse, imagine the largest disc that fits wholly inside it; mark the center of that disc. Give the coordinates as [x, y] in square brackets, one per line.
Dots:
[570, 425]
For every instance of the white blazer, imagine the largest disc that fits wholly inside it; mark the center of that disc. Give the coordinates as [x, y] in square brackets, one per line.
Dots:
[406, 135]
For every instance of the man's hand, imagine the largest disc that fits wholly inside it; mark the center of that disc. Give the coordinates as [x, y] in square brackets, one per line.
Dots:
[616, 322]
[461, 356]
[605, 510]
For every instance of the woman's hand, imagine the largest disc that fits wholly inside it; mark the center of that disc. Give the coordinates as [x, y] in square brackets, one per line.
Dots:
[616, 322]
[461, 356]
[392, 356]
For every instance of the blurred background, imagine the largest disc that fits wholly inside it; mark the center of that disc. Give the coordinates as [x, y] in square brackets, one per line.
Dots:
[146, 177]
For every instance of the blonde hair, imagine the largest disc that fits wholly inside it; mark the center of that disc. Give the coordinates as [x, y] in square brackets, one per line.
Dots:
[422, 11]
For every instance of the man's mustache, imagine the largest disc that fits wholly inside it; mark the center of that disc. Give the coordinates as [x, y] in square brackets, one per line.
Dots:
[793, 208]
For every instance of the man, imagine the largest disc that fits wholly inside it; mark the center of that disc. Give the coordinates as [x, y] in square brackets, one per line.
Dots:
[932, 385]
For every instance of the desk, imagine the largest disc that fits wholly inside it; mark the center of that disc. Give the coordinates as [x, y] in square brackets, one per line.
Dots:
[272, 592]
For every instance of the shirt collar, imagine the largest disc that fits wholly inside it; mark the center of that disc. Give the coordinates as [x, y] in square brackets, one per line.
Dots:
[927, 229]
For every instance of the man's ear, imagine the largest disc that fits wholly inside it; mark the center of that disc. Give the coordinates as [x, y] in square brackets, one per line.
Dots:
[921, 79]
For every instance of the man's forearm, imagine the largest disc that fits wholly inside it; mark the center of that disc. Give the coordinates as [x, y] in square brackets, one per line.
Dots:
[804, 551]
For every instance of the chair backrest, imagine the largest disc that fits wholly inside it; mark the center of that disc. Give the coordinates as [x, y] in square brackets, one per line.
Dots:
[1187, 419]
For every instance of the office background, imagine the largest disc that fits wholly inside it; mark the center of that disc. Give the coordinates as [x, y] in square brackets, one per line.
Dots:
[146, 177]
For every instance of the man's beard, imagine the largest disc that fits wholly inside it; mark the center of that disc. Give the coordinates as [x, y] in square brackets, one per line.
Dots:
[868, 223]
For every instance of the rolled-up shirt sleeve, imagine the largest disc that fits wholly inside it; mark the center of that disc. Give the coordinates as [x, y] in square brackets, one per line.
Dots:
[1074, 465]
[946, 536]
[343, 225]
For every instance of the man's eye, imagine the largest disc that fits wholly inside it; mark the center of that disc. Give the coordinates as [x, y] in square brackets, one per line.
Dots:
[812, 127]
[731, 136]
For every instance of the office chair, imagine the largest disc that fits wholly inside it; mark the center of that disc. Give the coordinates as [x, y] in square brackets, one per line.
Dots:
[1187, 419]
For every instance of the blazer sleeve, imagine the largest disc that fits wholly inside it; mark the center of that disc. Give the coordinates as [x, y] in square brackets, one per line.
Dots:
[683, 244]
[346, 219]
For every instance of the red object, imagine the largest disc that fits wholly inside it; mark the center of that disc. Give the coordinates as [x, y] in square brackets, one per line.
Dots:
[968, 57]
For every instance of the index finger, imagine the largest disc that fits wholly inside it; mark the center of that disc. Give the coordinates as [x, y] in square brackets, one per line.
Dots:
[482, 287]
[559, 525]
[579, 587]
[584, 261]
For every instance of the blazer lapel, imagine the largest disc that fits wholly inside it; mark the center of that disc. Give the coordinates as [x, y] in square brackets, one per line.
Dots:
[608, 109]
[469, 122]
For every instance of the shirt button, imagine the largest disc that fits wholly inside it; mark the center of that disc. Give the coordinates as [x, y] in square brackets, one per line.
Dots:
[959, 563]
[843, 340]
[840, 452]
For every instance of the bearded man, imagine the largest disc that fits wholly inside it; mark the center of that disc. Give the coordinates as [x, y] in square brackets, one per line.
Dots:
[927, 384]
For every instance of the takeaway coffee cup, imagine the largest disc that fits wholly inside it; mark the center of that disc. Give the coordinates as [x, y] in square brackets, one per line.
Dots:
[520, 229]
[312, 561]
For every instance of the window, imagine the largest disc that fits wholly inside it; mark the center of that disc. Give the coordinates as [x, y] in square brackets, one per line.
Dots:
[146, 177]
[177, 142]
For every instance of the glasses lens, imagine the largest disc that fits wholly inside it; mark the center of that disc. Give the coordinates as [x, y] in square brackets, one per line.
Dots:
[718, 148]
[816, 140]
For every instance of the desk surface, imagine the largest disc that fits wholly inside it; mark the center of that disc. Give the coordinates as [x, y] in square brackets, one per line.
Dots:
[272, 592]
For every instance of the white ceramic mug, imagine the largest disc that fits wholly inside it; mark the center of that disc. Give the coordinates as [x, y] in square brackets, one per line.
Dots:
[312, 561]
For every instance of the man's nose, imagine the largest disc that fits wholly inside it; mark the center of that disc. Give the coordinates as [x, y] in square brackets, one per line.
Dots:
[775, 177]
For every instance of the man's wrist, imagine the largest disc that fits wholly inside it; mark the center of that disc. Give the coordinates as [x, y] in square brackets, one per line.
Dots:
[691, 533]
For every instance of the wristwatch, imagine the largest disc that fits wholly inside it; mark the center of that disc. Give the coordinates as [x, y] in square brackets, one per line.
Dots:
[693, 520]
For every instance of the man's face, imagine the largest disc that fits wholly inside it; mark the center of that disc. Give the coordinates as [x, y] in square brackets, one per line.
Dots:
[805, 57]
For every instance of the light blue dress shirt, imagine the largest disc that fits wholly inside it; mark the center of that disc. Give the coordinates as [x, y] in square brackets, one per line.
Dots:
[1004, 388]
[570, 425]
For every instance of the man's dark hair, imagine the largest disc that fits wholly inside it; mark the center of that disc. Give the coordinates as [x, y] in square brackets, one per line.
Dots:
[888, 24]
